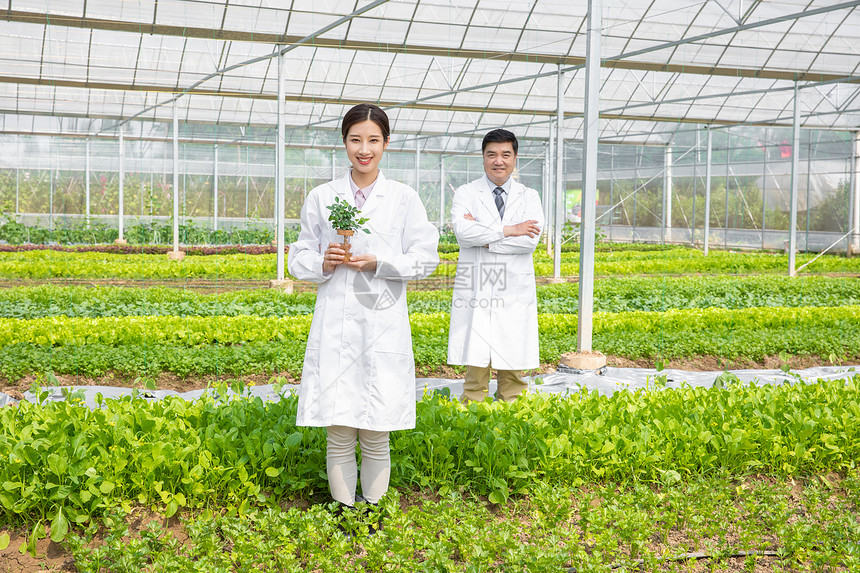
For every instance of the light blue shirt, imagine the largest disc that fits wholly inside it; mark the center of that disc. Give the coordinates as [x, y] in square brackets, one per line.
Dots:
[506, 186]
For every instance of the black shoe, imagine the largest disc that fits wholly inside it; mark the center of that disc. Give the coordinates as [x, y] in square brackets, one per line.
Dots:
[341, 513]
[371, 512]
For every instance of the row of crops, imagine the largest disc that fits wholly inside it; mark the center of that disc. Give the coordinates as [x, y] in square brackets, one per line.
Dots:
[136, 234]
[134, 332]
[174, 453]
[46, 264]
[583, 480]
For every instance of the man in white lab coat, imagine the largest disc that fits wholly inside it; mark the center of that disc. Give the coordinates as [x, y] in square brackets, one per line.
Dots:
[497, 222]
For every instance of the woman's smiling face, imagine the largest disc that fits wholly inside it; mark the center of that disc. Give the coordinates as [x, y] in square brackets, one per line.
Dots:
[364, 147]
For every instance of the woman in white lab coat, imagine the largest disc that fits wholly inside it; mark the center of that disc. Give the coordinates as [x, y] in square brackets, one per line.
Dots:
[358, 378]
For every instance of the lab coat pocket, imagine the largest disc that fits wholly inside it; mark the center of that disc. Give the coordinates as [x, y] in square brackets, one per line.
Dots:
[385, 243]
[393, 391]
[394, 370]
[521, 283]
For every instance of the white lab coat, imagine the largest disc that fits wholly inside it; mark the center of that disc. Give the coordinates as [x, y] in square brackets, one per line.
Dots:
[494, 306]
[359, 369]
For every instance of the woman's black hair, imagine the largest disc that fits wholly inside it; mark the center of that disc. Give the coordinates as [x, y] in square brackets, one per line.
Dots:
[500, 136]
[364, 112]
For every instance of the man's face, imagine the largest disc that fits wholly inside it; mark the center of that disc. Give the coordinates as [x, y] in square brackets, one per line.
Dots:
[499, 161]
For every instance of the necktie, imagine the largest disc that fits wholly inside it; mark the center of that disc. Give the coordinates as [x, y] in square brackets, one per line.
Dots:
[500, 201]
[359, 199]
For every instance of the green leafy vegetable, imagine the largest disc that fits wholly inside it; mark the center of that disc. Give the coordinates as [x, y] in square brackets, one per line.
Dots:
[344, 217]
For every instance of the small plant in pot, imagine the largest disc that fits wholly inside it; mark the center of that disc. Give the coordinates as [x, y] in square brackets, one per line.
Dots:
[345, 220]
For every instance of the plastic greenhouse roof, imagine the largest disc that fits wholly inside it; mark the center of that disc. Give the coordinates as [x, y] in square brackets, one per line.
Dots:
[440, 66]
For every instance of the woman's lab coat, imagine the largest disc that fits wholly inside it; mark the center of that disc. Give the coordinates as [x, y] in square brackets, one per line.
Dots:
[359, 369]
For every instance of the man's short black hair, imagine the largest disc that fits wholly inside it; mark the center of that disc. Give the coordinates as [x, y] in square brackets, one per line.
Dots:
[500, 136]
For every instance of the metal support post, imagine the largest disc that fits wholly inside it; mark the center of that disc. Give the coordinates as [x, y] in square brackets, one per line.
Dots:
[247, 181]
[611, 189]
[849, 216]
[764, 192]
[695, 189]
[808, 186]
[795, 165]
[728, 186]
[333, 169]
[441, 192]
[121, 206]
[215, 191]
[667, 194]
[855, 212]
[176, 177]
[550, 187]
[545, 187]
[51, 198]
[140, 174]
[635, 191]
[589, 178]
[279, 162]
[87, 181]
[559, 179]
[275, 198]
[544, 180]
[17, 176]
[707, 229]
[418, 168]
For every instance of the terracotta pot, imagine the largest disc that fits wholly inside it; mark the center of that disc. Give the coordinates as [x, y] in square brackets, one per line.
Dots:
[346, 244]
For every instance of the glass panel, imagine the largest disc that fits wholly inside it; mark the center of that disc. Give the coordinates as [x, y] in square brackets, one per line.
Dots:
[378, 30]
[184, 13]
[544, 42]
[254, 19]
[303, 24]
[443, 36]
[483, 38]
[110, 10]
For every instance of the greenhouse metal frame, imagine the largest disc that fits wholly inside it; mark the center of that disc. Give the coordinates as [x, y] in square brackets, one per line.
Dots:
[754, 100]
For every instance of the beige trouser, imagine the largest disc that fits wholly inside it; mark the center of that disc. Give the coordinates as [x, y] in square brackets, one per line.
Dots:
[342, 468]
[477, 384]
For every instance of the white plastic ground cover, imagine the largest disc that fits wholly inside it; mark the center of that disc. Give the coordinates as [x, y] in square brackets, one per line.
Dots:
[611, 381]
[618, 379]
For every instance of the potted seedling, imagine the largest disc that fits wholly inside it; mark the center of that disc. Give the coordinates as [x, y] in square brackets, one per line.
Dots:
[345, 220]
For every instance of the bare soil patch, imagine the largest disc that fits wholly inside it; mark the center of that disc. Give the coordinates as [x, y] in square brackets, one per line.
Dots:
[205, 285]
[50, 556]
[709, 362]
[164, 381]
